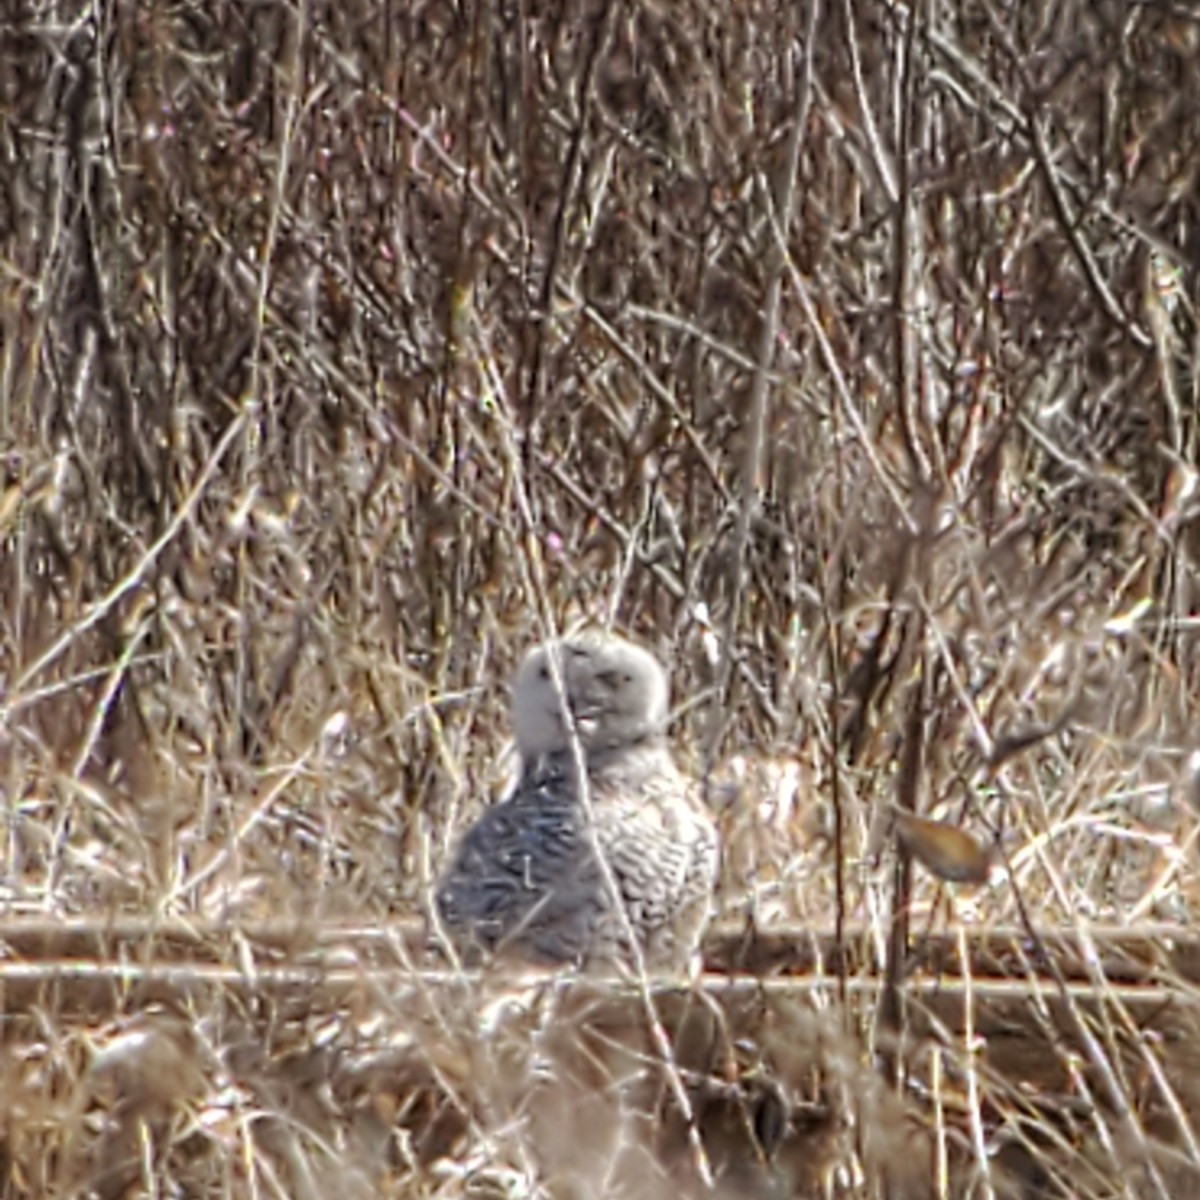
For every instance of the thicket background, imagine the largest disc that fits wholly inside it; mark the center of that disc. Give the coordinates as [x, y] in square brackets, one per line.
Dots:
[845, 353]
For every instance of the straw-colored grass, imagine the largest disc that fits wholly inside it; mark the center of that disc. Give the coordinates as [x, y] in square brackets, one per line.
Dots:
[845, 354]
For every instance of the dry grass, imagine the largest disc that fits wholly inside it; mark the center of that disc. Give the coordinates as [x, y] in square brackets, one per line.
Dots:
[845, 354]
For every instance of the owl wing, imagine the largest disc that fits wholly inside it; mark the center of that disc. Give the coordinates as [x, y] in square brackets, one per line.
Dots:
[519, 878]
[663, 853]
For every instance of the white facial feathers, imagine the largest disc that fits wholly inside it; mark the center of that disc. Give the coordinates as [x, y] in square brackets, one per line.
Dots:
[616, 692]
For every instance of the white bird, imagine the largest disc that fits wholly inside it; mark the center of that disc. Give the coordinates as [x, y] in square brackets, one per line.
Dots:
[526, 880]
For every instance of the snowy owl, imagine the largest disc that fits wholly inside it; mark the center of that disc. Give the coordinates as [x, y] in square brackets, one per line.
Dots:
[526, 881]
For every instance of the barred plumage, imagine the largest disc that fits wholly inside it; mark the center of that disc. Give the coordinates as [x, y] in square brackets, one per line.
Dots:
[525, 879]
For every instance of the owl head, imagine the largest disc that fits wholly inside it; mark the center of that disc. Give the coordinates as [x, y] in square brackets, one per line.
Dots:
[616, 692]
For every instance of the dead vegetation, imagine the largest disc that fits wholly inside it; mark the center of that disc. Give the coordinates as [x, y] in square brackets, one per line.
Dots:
[845, 354]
